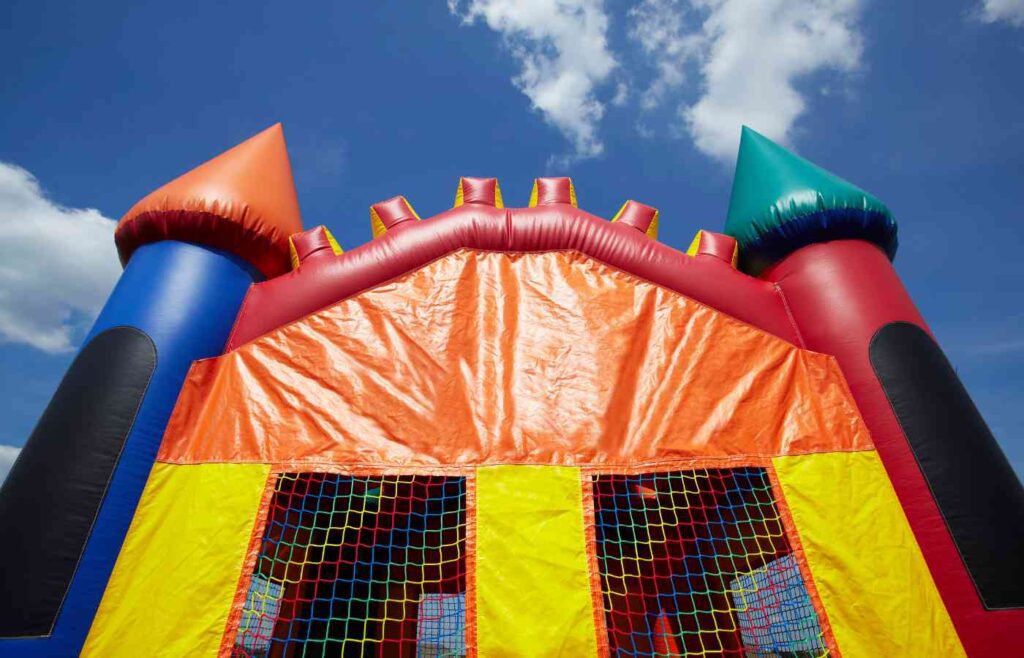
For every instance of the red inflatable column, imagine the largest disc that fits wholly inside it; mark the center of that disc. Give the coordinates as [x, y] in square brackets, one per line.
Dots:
[958, 491]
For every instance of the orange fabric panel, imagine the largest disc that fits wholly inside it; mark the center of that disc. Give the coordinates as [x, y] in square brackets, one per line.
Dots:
[487, 358]
[242, 201]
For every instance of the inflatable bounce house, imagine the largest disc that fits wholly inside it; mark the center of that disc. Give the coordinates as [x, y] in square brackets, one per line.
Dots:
[510, 432]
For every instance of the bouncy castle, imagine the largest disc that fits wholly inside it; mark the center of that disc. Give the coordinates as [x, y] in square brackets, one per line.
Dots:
[510, 432]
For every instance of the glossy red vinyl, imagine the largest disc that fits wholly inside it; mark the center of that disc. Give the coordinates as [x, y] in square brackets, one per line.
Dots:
[840, 294]
[559, 227]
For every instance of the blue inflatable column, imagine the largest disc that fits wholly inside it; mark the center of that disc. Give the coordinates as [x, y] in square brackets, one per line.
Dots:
[92, 451]
[191, 250]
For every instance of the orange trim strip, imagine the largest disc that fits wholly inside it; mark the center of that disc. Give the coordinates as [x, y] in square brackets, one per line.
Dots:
[603, 468]
[471, 642]
[798, 553]
[371, 470]
[590, 530]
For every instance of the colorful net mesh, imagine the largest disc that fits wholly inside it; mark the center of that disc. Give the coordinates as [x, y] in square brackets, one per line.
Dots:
[359, 566]
[697, 563]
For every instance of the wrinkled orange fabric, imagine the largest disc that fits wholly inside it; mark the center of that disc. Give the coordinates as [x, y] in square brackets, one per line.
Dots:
[485, 358]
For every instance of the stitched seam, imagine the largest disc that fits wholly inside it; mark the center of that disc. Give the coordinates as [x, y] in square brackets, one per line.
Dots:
[789, 314]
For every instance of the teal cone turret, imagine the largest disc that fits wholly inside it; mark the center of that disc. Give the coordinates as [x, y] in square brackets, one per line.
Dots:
[781, 202]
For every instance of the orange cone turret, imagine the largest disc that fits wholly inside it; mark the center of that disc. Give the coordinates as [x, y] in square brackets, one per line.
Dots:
[242, 202]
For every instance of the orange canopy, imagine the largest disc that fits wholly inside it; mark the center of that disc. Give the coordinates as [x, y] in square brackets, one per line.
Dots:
[485, 357]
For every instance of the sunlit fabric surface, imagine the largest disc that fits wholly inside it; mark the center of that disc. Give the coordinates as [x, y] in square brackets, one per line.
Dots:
[502, 358]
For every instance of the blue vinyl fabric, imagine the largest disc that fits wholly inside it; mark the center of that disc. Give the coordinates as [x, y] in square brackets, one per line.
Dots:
[185, 298]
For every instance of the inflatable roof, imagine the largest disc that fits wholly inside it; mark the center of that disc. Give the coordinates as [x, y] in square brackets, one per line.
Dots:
[510, 432]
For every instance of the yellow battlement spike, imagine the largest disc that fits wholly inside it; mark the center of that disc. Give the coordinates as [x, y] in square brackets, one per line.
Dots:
[479, 191]
[547, 191]
[640, 216]
[315, 240]
[390, 213]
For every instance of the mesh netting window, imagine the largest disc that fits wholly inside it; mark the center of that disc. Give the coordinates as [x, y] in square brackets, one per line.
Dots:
[697, 563]
[359, 566]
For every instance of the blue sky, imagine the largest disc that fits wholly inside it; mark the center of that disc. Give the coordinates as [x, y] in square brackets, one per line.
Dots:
[923, 106]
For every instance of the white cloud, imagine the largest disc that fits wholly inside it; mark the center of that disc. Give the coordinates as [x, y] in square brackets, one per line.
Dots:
[57, 265]
[659, 29]
[621, 96]
[750, 56]
[1011, 11]
[563, 52]
[7, 456]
